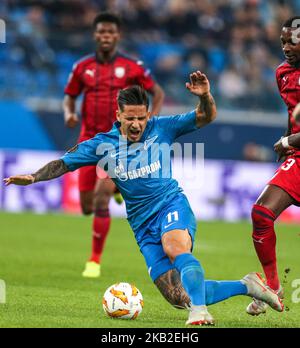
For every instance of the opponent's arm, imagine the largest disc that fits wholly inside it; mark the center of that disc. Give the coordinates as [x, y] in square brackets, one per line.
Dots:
[285, 146]
[206, 110]
[50, 171]
[296, 113]
[158, 96]
[293, 140]
[69, 107]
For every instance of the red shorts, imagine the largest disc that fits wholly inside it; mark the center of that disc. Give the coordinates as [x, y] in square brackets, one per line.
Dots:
[88, 177]
[287, 177]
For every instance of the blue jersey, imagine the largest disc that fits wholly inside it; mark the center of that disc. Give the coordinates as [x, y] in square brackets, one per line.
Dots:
[141, 171]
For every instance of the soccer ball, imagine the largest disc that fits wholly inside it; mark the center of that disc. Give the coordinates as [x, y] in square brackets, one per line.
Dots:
[123, 300]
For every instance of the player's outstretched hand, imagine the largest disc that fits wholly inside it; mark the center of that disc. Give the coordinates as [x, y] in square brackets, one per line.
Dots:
[19, 180]
[72, 120]
[199, 84]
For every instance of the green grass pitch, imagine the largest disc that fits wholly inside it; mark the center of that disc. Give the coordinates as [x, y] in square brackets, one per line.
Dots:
[42, 257]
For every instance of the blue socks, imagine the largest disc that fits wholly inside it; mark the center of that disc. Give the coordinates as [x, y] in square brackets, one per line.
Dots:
[203, 292]
[192, 277]
[217, 291]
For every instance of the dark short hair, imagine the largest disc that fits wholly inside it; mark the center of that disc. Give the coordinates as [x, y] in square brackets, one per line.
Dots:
[289, 23]
[107, 17]
[134, 95]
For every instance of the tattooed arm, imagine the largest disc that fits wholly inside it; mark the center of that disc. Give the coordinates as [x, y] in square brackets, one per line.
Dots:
[50, 171]
[169, 284]
[206, 110]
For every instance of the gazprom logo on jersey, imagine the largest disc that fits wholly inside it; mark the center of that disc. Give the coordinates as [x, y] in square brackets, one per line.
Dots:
[296, 31]
[151, 159]
[2, 31]
[142, 172]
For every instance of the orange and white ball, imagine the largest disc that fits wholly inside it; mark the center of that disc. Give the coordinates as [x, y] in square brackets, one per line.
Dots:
[123, 300]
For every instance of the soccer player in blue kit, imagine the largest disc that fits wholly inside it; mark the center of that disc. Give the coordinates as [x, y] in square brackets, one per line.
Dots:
[158, 212]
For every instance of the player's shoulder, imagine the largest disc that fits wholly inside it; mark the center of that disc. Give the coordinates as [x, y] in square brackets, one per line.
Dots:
[161, 121]
[175, 117]
[129, 59]
[110, 136]
[84, 61]
[282, 68]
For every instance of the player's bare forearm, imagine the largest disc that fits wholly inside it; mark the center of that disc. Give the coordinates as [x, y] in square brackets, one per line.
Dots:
[294, 140]
[69, 107]
[206, 110]
[158, 96]
[170, 286]
[287, 145]
[296, 113]
[50, 171]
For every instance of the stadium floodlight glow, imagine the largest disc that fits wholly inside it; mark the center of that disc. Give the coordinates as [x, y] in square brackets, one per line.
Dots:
[2, 291]
[296, 32]
[2, 31]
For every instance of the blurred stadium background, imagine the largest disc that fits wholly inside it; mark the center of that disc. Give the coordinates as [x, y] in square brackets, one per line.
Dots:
[235, 42]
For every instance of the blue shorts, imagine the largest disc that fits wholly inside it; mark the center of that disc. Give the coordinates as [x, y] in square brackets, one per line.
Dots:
[177, 215]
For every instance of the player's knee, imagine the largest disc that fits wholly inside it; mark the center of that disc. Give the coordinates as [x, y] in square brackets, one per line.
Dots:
[101, 202]
[86, 203]
[87, 209]
[173, 250]
[258, 218]
[255, 218]
[175, 244]
[262, 220]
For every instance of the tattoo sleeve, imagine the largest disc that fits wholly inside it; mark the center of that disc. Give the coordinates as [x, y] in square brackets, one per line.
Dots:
[206, 109]
[50, 171]
[170, 286]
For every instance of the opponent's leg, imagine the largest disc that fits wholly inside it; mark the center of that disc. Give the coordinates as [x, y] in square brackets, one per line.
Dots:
[270, 204]
[103, 191]
[86, 202]
[87, 181]
[92, 268]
